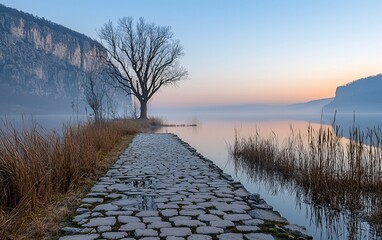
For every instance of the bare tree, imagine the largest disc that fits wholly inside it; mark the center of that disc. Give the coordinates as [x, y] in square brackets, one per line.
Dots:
[94, 91]
[143, 58]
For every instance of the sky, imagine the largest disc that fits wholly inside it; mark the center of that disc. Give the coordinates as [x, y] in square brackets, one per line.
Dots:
[245, 51]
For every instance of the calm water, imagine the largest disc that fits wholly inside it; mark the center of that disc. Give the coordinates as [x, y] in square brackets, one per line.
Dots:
[45, 122]
[212, 138]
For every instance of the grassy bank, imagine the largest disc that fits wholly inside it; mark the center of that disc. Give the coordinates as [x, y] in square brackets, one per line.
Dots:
[44, 174]
[333, 174]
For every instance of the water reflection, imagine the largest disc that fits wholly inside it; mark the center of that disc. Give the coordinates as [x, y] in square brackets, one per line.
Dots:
[212, 138]
[336, 221]
[365, 122]
[145, 202]
[43, 122]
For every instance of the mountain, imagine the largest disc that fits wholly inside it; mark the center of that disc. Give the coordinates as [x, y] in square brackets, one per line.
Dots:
[360, 96]
[42, 64]
[314, 106]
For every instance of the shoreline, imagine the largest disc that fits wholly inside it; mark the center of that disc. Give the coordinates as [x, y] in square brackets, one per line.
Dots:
[162, 187]
[266, 212]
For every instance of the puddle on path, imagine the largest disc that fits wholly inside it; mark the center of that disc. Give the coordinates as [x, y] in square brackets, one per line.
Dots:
[144, 201]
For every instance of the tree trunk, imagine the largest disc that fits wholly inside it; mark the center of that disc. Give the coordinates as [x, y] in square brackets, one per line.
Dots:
[143, 110]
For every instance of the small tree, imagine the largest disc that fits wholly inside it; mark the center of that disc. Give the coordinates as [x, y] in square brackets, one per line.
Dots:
[94, 91]
[142, 58]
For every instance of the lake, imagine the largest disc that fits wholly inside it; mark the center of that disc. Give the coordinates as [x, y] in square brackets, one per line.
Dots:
[45, 122]
[213, 136]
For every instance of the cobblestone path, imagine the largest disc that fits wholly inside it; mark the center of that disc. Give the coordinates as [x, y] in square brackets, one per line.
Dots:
[160, 188]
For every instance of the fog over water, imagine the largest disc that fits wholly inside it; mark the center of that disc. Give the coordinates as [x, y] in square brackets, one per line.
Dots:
[214, 134]
[216, 131]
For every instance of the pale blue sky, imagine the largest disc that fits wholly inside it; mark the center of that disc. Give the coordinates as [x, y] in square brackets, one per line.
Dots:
[241, 51]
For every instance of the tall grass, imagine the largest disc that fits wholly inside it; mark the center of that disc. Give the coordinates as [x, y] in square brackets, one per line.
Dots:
[36, 165]
[332, 173]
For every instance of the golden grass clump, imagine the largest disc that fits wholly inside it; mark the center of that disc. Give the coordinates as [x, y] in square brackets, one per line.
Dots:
[37, 166]
[322, 168]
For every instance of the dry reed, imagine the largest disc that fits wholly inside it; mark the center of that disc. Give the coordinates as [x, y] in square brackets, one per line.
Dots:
[36, 166]
[333, 174]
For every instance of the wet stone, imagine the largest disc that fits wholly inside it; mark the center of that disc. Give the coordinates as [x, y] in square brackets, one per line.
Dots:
[175, 231]
[189, 223]
[237, 217]
[264, 206]
[199, 237]
[222, 223]
[147, 214]
[189, 207]
[128, 219]
[132, 226]
[99, 188]
[209, 230]
[71, 230]
[115, 195]
[80, 237]
[296, 229]
[114, 235]
[106, 207]
[103, 229]
[241, 192]
[104, 221]
[92, 200]
[125, 202]
[191, 212]
[255, 197]
[119, 213]
[169, 212]
[230, 236]
[177, 218]
[146, 233]
[96, 194]
[160, 200]
[167, 206]
[159, 189]
[247, 228]
[208, 217]
[151, 219]
[267, 215]
[157, 225]
[134, 209]
[81, 217]
[253, 222]
[175, 238]
[88, 230]
[259, 236]
[217, 212]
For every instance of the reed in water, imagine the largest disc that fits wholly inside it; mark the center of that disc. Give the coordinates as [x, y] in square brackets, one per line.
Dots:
[324, 169]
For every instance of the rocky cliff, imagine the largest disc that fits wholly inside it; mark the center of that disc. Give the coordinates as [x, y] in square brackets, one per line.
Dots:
[360, 96]
[42, 63]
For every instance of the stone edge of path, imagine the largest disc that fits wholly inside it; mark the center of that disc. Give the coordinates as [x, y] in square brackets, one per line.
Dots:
[108, 210]
[261, 210]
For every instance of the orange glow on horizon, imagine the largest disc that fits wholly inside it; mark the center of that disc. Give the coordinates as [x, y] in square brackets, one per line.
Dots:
[189, 94]
[222, 96]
